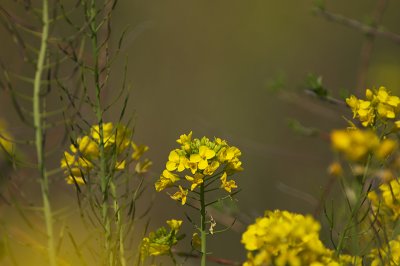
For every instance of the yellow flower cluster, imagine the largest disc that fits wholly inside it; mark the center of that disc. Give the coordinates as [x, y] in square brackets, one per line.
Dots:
[356, 144]
[160, 242]
[388, 255]
[386, 203]
[201, 157]
[378, 104]
[282, 238]
[85, 153]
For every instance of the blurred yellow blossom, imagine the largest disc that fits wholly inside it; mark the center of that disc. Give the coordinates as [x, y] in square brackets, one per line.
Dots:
[84, 154]
[386, 201]
[335, 169]
[356, 144]
[389, 255]
[282, 238]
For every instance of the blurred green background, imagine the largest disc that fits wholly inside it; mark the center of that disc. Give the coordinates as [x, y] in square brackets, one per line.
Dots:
[207, 66]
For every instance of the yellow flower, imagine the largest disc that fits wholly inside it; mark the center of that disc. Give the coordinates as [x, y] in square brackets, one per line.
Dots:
[174, 224]
[176, 161]
[387, 203]
[180, 195]
[379, 103]
[120, 165]
[196, 180]
[196, 241]
[192, 166]
[233, 166]
[161, 241]
[388, 255]
[88, 147]
[335, 169]
[138, 150]
[107, 132]
[284, 238]
[167, 179]
[386, 147]
[210, 169]
[227, 185]
[201, 158]
[113, 136]
[75, 179]
[363, 110]
[143, 167]
[229, 154]
[354, 144]
[185, 140]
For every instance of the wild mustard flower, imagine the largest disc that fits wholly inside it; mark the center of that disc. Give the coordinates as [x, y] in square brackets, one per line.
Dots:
[83, 156]
[202, 158]
[389, 255]
[282, 238]
[138, 150]
[196, 180]
[227, 185]
[180, 195]
[161, 241]
[356, 144]
[167, 179]
[206, 162]
[386, 201]
[378, 104]
[335, 169]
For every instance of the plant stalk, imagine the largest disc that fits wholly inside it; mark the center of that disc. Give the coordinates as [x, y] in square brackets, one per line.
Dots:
[39, 133]
[99, 115]
[203, 226]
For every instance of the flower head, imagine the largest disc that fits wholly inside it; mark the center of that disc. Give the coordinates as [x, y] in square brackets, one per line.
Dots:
[161, 241]
[84, 153]
[284, 238]
[378, 104]
[201, 158]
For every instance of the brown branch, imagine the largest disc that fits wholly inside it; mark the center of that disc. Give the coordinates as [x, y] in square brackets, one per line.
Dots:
[368, 46]
[355, 24]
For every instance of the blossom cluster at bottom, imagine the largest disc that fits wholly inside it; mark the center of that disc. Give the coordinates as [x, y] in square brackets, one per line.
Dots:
[161, 241]
[282, 238]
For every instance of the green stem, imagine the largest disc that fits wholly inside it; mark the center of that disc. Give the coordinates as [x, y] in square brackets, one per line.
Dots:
[355, 210]
[119, 225]
[203, 226]
[99, 115]
[39, 133]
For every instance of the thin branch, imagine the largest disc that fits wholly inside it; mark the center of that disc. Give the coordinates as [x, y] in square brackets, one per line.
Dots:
[355, 24]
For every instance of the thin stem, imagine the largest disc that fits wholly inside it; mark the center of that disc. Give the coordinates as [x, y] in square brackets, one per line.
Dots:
[360, 201]
[99, 115]
[119, 225]
[39, 133]
[203, 225]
